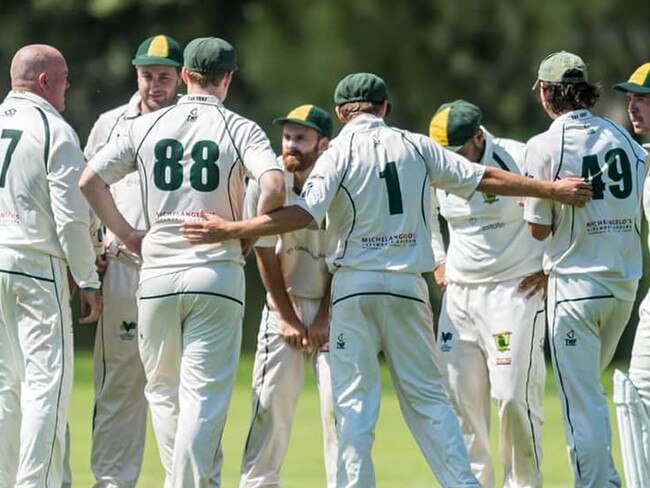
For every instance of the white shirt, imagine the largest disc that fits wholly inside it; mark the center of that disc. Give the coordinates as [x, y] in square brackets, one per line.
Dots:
[301, 253]
[191, 156]
[488, 237]
[41, 207]
[126, 192]
[373, 183]
[602, 239]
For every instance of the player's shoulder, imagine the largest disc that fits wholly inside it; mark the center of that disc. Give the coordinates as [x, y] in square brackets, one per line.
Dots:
[112, 115]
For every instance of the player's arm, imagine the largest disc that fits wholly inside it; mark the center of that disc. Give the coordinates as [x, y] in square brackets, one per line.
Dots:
[272, 191]
[292, 328]
[437, 243]
[72, 218]
[572, 190]
[319, 332]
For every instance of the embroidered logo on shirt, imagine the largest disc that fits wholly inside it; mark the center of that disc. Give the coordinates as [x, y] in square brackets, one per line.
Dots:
[129, 331]
[571, 339]
[340, 342]
[446, 337]
[502, 341]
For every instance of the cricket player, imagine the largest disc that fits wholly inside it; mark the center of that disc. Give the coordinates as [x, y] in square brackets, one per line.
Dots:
[593, 254]
[373, 184]
[120, 407]
[45, 227]
[191, 156]
[491, 325]
[294, 330]
[635, 444]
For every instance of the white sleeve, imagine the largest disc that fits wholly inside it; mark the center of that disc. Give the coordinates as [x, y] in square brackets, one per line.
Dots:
[115, 160]
[70, 209]
[251, 200]
[437, 242]
[450, 171]
[538, 165]
[323, 183]
[257, 153]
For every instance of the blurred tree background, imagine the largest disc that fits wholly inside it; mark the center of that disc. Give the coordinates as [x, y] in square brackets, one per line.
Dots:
[293, 52]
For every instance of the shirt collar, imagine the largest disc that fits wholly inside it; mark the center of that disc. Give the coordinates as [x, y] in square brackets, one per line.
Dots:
[200, 98]
[362, 123]
[133, 107]
[34, 98]
[572, 116]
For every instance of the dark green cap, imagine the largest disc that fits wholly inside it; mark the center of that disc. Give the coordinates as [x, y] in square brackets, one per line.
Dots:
[639, 82]
[360, 87]
[309, 116]
[455, 123]
[562, 67]
[159, 51]
[210, 56]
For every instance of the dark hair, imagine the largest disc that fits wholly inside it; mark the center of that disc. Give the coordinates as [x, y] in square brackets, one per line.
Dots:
[352, 109]
[566, 97]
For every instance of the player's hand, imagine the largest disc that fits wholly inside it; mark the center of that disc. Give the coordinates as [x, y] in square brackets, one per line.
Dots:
[294, 333]
[91, 306]
[133, 241]
[101, 263]
[439, 276]
[572, 191]
[209, 230]
[72, 286]
[318, 335]
[533, 284]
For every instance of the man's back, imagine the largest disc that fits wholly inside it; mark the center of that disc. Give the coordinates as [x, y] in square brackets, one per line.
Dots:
[190, 158]
[32, 136]
[603, 236]
[380, 212]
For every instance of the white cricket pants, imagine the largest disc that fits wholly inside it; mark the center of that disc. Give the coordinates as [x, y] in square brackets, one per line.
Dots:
[585, 324]
[278, 379]
[375, 311]
[35, 368]
[491, 343]
[190, 337]
[120, 407]
[640, 361]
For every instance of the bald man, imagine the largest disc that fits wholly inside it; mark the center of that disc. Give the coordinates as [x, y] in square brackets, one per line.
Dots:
[44, 223]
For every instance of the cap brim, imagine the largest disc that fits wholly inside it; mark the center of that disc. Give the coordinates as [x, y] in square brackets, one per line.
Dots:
[304, 123]
[155, 62]
[631, 87]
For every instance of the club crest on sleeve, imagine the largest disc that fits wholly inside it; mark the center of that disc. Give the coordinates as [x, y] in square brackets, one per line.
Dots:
[129, 330]
[446, 338]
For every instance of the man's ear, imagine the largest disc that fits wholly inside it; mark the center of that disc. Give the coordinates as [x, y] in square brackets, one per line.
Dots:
[339, 115]
[323, 143]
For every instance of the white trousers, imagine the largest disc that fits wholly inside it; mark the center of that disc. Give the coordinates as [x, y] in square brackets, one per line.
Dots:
[386, 311]
[491, 343]
[190, 337]
[585, 324]
[120, 407]
[278, 379]
[640, 361]
[35, 368]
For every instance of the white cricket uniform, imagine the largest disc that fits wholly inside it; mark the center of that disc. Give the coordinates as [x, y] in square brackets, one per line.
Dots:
[279, 370]
[192, 156]
[593, 260]
[120, 407]
[490, 336]
[44, 227]
[640, 361]
[373, 182]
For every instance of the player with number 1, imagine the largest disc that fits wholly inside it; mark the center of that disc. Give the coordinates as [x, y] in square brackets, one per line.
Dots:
[194, 155]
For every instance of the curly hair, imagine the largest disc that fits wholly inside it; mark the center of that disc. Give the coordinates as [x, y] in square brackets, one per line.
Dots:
[566, 97]
[351, 109]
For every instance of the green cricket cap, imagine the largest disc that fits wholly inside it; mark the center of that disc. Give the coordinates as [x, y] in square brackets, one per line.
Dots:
[360, 87]
[309, 116]
[210, 56]
[455, 123]
[639, 82]
[562, 67]
[158, 51]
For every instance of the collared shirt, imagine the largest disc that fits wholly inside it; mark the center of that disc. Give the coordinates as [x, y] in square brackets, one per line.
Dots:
[488, 237]
[373, 184]
[192, 156]
[41, 207]
[602, 239]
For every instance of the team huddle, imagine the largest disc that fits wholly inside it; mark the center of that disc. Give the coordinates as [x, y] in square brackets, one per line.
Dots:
[343, 229]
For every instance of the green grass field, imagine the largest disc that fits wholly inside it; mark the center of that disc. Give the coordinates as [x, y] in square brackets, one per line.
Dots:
[398, 462]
